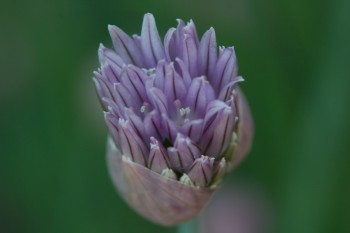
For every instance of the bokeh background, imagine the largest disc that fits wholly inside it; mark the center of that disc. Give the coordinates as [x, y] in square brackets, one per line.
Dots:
[293, 54]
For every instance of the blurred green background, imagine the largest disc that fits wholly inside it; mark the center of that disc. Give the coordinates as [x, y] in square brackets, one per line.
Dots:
[294, 55]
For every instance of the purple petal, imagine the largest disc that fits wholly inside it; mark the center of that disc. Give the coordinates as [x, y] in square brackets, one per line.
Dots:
[152, 124]
[131, 144]
[157, 99]
[174, 86]
[125, 46]
[187, 150]
[112, 124]
[200, 93]
[193, 129]
[190, 29]
[225, 70]
[218, 128]
[189, 56]
[184, 72]
[123, 97]
[175, 159]
[169, 44]
[108, 56]
[158, 160]
[152, 47]
[134, 81]
[207, 53]
[226, 91]
[201, 172]
[160, 75]
[102, 89]
[168, 127]
[137, 124]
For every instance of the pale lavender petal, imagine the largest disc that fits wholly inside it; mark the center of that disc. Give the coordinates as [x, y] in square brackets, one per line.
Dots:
[217, 131]
[137, 124]
[175, 159]
[184, 72]
[158, 99]
[152, 124]
[174, 86]
[112, 123]
[190, 29]
[193, 129]
[111, 72]
[108, 56]
[168, 127]
[207, 53]
[200, 93]
[135, 81]
[169, 44]
[152, 47]
[158, 159]
[131, 144]
[101, 89]
[226, 91]
[189, 55]
[201, 171]
[225, 70]
[123, 97]
[187, 150]
[160, 74]
[125, 46]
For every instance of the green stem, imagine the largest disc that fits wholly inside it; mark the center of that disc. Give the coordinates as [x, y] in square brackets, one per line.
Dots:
[188, 227]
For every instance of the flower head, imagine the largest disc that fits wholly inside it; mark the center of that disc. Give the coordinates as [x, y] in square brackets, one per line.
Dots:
[175, 115]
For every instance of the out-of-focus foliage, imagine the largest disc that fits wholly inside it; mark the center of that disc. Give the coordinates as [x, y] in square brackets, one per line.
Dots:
[294, 56]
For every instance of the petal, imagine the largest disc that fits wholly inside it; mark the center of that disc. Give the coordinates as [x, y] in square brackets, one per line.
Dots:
[226, 69]
[152, 47]
[218, 129]
[190, 29]
[193, 129]
[187, 149]
[157, 99]
[189, 55]
[135, 80]
[201, 171]
[152, 124]
[123, 97]
[207, 53]
[112, 124]
[169, 44]
[226, 91]
[106, 55]
[160, 75]
[137, 124]
[169, 129]
[184, 72]
[131, 144]
[200, 93]
[174, 86]
[125, 46]
[102, 89]
[157, 160]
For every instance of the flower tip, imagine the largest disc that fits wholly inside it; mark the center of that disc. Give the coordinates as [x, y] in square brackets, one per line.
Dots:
[148, 17]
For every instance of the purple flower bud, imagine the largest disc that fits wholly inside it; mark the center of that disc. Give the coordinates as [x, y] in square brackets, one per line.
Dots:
[158, 159]
[176, 118]
[201, 171]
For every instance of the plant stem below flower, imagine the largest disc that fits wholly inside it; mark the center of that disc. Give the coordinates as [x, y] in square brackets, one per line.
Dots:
[188, 227]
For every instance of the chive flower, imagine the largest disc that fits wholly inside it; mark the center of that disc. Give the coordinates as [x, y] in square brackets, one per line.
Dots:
[176, 118]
